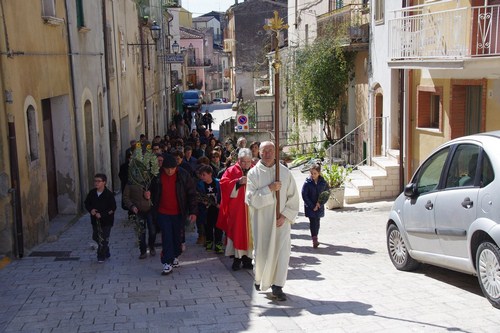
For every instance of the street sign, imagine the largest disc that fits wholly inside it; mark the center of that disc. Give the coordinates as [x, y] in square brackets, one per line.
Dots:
[174, 58]
[242, 123]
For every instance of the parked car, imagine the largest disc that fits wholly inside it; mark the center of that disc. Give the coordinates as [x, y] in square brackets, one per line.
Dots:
[449, 213]
[217, 100]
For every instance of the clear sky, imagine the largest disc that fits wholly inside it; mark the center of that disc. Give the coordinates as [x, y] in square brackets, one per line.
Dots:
[200, 7]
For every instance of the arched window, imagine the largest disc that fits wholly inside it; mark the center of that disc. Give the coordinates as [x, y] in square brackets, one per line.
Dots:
[33, 141]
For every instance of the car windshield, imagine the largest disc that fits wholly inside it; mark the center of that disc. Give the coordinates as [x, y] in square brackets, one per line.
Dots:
[191, 95]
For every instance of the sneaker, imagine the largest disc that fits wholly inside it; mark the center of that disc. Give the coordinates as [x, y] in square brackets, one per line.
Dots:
[143, 255]
[209, 246]
[167, 269]
[278, 293]
[219, 249]
[152, 251]
[100, 260]
[257, 286]
[175, 263]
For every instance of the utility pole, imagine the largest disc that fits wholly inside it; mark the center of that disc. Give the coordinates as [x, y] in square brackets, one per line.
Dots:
[276, 24]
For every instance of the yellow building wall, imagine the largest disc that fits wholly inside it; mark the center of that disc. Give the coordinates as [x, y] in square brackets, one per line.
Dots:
[493, 105]
[37, 69]
[185, 18]
[424, 141]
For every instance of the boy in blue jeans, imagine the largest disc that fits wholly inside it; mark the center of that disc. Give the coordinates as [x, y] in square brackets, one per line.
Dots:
[208, 206]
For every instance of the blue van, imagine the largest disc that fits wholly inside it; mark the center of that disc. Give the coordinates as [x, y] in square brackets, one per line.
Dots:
[192, 99]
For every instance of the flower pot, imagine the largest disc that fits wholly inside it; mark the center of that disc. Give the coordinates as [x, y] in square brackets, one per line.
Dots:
[336, 199]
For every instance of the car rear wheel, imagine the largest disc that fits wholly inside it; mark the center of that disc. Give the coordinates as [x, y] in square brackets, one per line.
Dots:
[488, 271]
[398, 252]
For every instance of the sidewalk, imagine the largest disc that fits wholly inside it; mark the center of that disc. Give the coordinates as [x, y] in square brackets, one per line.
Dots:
[348, 284]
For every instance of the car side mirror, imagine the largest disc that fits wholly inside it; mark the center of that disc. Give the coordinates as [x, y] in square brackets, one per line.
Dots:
[411, 190]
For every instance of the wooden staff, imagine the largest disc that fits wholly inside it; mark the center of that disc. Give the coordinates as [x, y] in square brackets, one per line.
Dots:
[275, 25]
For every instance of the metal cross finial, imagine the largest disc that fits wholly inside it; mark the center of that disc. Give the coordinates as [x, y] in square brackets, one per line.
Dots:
[276, 24]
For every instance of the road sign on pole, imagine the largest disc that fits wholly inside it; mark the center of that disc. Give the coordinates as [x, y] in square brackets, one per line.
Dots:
[242, 123]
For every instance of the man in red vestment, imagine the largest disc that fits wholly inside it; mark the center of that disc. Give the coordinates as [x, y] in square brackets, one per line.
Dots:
[233, 212]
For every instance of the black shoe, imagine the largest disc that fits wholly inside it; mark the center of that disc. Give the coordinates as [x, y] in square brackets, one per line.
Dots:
[247, 262]
[236, 264]
[278, 293]
[143, 255]
[257, 287]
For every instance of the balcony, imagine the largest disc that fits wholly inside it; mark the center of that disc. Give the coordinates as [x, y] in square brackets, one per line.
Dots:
[197, 62]
[351, 22]
[421, 34]
[262, 86]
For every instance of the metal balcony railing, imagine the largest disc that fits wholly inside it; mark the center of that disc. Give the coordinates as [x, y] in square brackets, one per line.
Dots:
[351, 21]
[419, 33]
[197, 62]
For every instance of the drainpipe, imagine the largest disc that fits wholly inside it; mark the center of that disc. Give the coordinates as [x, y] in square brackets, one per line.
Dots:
[15, 190]
[145, 104]
[75, 107]
[106, 91]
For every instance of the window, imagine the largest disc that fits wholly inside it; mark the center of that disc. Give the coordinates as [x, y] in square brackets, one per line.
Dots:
[79, 14]
[122, 53]
[429, 107]
[379, 11]
[463, 166]
[109, 54]
[48, 8]
[487, 174]
[430, 172]
[34, 149]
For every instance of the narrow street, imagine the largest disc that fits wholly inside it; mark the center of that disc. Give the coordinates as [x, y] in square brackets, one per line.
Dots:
[348, 284]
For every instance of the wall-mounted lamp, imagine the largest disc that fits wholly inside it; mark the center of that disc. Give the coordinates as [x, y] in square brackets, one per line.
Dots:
[155, 31]
[175, 47]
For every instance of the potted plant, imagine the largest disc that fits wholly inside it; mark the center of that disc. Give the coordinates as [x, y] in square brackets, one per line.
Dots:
[335, 176]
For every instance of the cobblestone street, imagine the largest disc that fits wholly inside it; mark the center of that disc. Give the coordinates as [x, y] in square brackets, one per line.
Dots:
[348, 284]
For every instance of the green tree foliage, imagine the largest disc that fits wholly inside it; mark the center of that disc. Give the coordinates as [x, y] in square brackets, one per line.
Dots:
[322, 74]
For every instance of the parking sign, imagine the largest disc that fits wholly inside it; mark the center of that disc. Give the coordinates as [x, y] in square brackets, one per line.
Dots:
[242, 123]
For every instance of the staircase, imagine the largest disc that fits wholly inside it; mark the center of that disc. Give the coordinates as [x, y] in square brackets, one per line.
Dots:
[374, 182]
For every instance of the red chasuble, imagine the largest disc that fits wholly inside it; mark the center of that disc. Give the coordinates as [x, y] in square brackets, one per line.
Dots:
[233, 212]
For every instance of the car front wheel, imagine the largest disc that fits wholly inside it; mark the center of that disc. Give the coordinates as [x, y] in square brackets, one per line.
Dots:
[398, 252]
[488, 271]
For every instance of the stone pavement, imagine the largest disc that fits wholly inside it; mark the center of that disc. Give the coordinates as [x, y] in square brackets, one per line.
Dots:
[348, 284]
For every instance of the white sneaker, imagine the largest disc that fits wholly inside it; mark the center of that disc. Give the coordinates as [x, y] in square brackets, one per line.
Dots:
[167, 269]
[175, 263]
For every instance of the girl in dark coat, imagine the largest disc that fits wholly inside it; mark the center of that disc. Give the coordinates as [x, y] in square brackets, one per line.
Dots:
[312, 188]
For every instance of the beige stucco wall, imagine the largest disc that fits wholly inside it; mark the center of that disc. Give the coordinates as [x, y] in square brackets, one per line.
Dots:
[38, 69]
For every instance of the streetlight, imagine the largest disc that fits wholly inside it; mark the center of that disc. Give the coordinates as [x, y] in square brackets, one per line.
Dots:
[175, 47]
[155, 32]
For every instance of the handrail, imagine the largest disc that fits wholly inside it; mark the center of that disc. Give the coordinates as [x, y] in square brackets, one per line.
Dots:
[352, 148]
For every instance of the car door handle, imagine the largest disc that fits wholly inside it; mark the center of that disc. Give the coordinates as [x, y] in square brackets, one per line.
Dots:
[429, 205]
[467, 203]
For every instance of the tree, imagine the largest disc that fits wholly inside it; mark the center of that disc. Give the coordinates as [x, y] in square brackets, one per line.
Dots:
[322, 74]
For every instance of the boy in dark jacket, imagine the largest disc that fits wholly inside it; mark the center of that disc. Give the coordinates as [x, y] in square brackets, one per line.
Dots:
[174, 198]
[100, 203]
[208, 206]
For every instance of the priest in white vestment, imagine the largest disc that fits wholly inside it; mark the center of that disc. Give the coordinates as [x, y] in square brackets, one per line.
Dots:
[272, 242]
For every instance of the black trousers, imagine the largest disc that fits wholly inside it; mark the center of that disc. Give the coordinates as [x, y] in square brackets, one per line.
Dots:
[314, 226]
[100, 234]
[212, 233]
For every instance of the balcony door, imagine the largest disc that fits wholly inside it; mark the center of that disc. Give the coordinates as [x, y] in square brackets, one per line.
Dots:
[485, 27]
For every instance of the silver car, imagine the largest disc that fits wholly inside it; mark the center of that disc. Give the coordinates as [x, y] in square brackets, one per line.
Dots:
[449, 214]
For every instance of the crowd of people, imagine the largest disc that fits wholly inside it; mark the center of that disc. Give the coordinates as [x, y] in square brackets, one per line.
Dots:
[227, 190]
